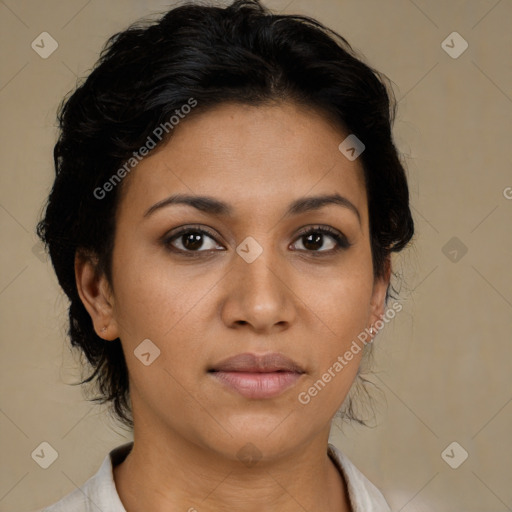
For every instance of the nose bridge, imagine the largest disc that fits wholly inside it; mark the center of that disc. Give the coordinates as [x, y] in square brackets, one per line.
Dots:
[263, 275]
[257, 266]
[257, 293]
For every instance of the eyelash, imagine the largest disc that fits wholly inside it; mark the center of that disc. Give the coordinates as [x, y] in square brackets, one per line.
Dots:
[341, 241]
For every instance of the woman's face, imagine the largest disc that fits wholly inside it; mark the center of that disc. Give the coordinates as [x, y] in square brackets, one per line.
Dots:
[246, 280]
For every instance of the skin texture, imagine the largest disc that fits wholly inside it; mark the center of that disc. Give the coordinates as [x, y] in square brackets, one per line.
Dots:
[200, 310]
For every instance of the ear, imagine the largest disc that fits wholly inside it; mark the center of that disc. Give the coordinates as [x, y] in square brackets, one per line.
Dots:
[96, 295]
[380, 288]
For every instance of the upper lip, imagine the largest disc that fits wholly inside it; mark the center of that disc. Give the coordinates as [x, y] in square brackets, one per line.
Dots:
[254, 363]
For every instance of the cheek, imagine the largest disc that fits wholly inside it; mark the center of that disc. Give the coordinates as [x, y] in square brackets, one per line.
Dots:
[341, 307]
[344, 319]
[342, 300]
[150, 295]
[336, 356]
[153, 304]
[169, 306]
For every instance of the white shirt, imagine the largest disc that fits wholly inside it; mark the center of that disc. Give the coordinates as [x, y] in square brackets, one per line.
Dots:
[99, 492]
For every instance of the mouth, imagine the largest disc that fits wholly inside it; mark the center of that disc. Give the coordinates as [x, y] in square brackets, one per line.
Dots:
[257, 377]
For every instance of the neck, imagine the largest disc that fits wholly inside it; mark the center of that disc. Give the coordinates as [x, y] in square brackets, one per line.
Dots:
[166, 472]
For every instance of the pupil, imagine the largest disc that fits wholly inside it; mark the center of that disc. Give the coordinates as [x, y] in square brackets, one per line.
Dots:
[193, 241]
[313, 241]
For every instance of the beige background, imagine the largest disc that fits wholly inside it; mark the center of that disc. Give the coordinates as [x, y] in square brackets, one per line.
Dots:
[444, 363]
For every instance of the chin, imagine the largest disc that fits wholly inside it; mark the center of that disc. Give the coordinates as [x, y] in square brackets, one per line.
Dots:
[260, 435]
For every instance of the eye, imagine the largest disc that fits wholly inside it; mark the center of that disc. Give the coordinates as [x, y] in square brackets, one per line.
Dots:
[192, 239]
[322, 239]
[314, 240]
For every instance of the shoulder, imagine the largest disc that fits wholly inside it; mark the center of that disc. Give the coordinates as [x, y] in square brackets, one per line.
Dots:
[99, 492]
[364, 496]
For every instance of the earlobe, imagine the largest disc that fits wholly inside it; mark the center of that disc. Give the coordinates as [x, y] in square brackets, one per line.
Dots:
[96, 296]
[380, 288]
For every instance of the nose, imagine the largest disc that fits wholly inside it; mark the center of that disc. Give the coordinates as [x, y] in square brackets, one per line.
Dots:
[258, 296]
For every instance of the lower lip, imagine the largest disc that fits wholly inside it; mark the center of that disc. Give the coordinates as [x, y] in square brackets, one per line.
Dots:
[258, 385]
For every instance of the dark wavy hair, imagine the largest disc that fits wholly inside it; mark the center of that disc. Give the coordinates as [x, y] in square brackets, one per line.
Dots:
[241, 53]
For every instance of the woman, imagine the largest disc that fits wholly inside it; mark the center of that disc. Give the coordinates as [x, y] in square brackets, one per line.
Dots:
[226, 203]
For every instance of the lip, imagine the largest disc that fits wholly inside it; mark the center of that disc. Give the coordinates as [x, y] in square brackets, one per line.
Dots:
[258, 376]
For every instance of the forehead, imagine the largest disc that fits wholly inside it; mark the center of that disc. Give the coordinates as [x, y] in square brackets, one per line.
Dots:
[263, 155]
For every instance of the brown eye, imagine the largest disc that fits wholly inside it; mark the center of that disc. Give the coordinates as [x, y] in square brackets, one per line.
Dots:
[192, 240]
[322, 239]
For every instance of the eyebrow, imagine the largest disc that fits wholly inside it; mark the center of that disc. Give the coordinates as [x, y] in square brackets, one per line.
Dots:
[216, 207]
